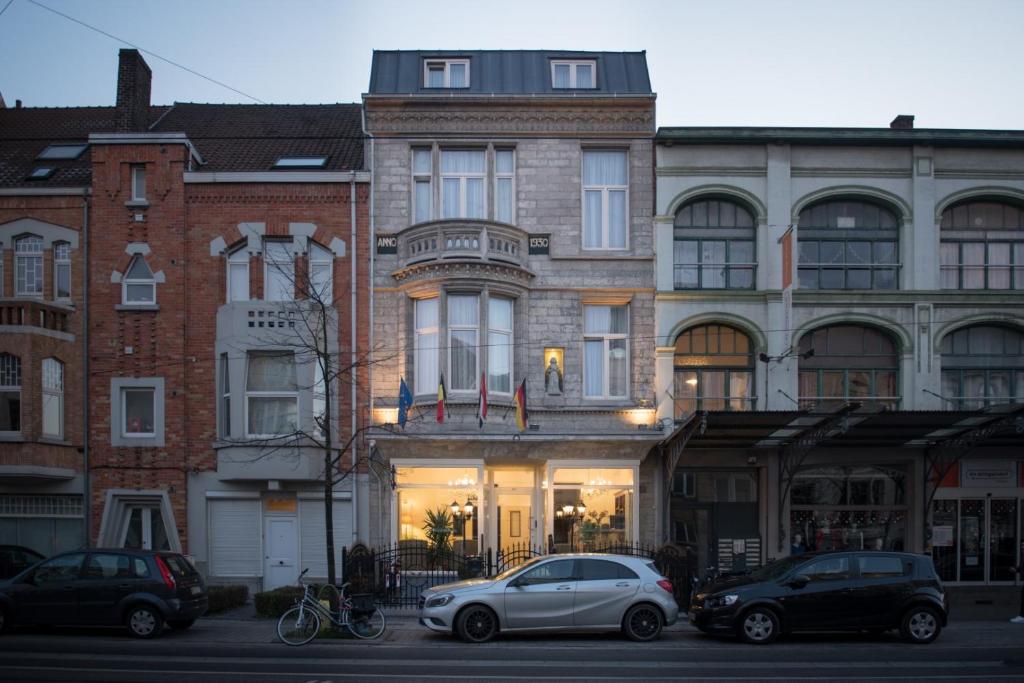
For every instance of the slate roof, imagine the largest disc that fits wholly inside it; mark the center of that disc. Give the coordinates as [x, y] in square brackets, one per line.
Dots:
[508, 72]
[229, 137]
[939, 137]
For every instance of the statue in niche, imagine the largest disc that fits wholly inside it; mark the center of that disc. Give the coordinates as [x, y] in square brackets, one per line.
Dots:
[553, 378]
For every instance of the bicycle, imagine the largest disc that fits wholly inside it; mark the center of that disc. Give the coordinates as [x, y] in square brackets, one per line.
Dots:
[301, 623]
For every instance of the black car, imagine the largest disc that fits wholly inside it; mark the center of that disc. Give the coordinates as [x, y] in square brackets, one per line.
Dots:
[15, 559]
[871, 591]
[137, 589]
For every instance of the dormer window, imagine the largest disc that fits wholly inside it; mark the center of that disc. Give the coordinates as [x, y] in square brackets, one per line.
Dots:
[300, 162]
[573, 74]
[446, 73]
[62, 152]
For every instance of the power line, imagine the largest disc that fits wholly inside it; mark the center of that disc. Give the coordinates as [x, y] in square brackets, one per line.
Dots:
[142, 49]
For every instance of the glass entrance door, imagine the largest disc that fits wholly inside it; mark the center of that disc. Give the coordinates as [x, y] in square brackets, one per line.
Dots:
[976, 539]
[514, 521]
[972, 540]
[1003, 535]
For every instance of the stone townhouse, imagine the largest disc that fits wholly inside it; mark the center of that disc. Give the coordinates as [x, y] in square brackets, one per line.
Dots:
[514, 249]
[208, 225]
[840, 334]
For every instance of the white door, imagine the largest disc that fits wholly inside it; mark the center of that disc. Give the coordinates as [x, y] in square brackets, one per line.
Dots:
[281, 559]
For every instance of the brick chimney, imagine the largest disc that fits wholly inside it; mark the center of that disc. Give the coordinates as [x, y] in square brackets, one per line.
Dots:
[133, 88]
[902, 122]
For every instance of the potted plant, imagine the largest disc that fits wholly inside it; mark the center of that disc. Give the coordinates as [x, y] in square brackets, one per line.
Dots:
[439, 529]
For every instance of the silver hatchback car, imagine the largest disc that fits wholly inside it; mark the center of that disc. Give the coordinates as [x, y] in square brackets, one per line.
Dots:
[578, 592]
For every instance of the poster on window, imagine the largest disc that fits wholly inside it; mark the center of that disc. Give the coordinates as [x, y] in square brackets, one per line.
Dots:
[942, 536]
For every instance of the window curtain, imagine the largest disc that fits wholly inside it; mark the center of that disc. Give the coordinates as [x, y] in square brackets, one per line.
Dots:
[561, 76]
[457, 75]
[593, 367]
[584, 76]
[617, 219]
[503, 200]
[462, 162]
[271, 372]
[604, 167]
[422, 201]
[475, 198]
[450, 207]
[53, 397]
[592, 219]
[426, 346]
[463, 312]
[618, 368]
[499, 340]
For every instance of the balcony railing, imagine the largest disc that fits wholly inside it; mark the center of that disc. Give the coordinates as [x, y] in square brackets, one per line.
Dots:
[34, 313]
[462, 239]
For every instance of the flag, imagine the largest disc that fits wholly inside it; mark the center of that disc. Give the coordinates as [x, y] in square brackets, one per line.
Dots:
[522, 417]
[481, 406]
[404, 403]
[442, 400]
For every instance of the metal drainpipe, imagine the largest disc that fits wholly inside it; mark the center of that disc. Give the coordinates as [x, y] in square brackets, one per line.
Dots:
[354, 376]
[86, 486]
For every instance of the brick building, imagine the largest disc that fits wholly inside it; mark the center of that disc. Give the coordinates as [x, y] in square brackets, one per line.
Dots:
[207, 224]
[512, 195]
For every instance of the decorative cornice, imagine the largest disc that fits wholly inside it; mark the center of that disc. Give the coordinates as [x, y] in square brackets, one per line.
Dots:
[832, 172]
[564, 121]
[723, 171]
[970, 174]
[454, 270]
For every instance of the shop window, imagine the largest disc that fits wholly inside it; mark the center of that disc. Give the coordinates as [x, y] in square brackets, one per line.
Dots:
[982, 246]
[10, 393]
[848, 244]
[714, 246]
[592, 508]
[426, 517]
[848, 363]
[983, 365]
[714, 370]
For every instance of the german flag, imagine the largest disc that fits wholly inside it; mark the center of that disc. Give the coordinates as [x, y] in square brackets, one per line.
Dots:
[442, 400]
[522, 416]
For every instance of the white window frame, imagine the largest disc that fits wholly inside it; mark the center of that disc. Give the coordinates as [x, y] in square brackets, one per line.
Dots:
[319, 397]
[27, 257]
[463, 179]
[126, 281]
[426, 178]
[61, 261]
[321, 256]
[447, 63]
[475, 329]
[606, 338]
[573, 80]
[53, 368]
[124, 412]
[11, 372]
[418, 352]
[225, 396]
[494, 350]
[238, 259]
[271, 394]
[605, 191]
[511, 177]
[138, 182]
[270, 264]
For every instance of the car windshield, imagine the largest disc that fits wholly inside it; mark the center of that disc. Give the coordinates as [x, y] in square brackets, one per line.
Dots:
[776, 569]
[518, 568]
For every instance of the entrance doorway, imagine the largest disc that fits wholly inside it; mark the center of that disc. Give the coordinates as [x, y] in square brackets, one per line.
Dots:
[511, 515]
[715, 517]
[281, 559]
[976, 540]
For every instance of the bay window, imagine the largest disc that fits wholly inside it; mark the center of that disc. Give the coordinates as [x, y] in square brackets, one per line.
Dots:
[422, 173]
[499, 345]
[463, 341]
[271, 394]
[504, 185]
[605, 351]
[28, 266]
[605, 190]
[425, 346]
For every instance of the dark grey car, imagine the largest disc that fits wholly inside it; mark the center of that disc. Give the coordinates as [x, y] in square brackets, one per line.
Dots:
[138, 589]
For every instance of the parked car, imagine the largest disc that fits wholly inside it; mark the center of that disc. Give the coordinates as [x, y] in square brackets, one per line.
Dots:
[15, 559]
[871, 591]
[138, 589]
[579, 592]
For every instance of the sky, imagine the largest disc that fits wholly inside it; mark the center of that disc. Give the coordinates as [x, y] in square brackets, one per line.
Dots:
[723, 63]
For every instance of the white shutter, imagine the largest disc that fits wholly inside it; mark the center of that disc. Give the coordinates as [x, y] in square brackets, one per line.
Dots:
[313, 535]
[235, 537]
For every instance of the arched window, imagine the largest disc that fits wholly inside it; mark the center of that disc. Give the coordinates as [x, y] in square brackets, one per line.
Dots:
[848, 244]
[53, 398]
[850, 363]
[714, 370]
[28, 266]
[982, 246]
[714, 246]
[983, 365]
[10, 393]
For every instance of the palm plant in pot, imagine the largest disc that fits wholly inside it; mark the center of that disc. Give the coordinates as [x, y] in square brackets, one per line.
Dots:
[438, 528]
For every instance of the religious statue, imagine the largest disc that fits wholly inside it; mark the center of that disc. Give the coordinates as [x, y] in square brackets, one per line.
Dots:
[553, 378]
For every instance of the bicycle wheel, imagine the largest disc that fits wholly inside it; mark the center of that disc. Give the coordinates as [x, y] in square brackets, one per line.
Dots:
[298, 626]
[367, 625]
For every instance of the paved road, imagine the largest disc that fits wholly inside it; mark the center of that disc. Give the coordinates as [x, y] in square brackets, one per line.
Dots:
[232, 652]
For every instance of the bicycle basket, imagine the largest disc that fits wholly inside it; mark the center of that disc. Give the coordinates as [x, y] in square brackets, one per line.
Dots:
[363, 603]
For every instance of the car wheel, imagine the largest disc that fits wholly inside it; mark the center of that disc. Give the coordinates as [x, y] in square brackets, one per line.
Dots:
[920, 625]
[144, 621]
[759, 626]
[642, 622]
[476, 624]
[181, 624]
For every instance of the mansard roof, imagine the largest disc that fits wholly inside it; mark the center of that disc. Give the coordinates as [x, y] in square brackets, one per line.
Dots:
[509, 72]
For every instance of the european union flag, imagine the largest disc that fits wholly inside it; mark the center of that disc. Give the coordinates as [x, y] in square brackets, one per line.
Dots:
[404, 403]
